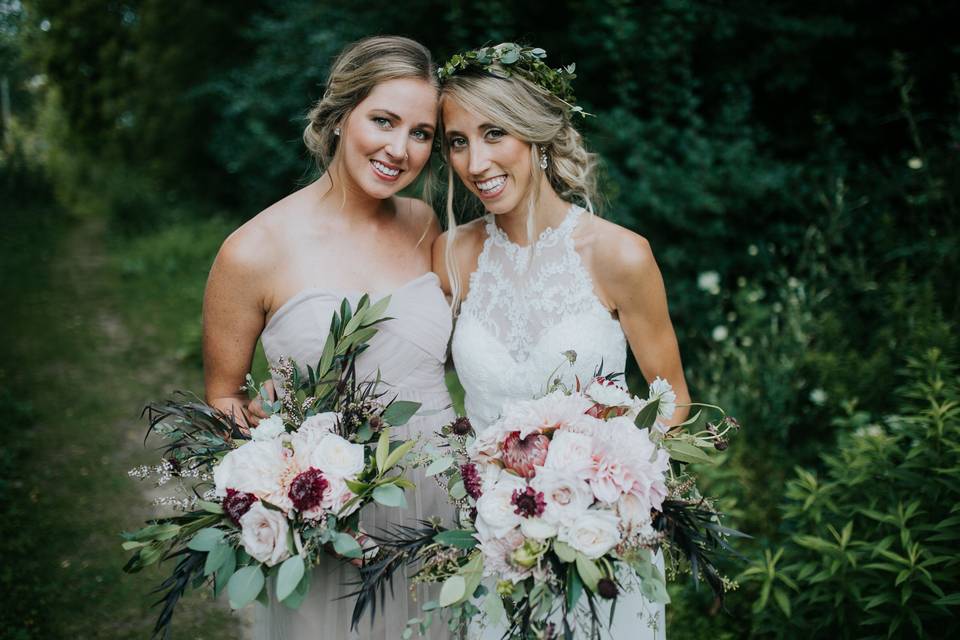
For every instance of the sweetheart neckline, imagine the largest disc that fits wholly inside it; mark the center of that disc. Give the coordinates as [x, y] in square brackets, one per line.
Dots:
[307, 292]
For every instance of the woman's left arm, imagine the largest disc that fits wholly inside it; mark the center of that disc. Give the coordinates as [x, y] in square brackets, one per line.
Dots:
[635, 287]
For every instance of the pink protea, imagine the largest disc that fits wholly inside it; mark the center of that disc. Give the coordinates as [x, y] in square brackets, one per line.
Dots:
[521, 455]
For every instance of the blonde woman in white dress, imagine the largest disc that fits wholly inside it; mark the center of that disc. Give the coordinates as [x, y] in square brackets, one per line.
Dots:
[539, 274]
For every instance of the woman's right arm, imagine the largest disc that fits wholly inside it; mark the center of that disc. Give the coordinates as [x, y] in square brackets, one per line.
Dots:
[234, 309]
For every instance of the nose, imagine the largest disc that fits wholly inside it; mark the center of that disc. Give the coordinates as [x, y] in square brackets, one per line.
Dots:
[479, 160]
[397, 148]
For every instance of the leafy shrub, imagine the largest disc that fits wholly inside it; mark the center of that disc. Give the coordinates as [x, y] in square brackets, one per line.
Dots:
[872, 550]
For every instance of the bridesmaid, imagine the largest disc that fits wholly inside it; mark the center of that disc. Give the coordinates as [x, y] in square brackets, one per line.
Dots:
[280, 276]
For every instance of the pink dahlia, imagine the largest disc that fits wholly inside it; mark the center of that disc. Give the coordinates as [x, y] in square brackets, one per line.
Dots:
[521, 455]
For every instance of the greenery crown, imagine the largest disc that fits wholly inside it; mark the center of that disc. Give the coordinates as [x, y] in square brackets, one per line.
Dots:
[509, 58]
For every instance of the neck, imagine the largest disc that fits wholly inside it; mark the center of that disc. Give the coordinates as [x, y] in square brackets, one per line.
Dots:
[335, 188]
[549, 211]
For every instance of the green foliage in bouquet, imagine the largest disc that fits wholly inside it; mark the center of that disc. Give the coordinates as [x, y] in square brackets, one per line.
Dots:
[206, 539]
[873, 545]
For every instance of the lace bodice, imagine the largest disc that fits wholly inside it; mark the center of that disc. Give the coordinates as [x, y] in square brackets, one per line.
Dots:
[527, 306]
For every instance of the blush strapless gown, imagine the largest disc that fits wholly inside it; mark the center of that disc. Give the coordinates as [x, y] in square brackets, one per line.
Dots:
[409, 350]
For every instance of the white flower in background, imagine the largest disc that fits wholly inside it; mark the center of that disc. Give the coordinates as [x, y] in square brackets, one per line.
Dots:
[593, 534]
[268, 429]
[496, 514]
[915, 163]
[709, 281]
[753, 250]
[571, 453]
[720, 333]
[333, 455]
[264, 534]
[263, 468]
[818, 397]
[661, 389]
[566, 496]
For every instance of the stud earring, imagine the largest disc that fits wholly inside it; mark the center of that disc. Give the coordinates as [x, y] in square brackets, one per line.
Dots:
[336, 131]
[544, 161]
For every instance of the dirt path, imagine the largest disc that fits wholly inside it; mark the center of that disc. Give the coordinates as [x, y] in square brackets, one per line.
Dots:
[78, 367]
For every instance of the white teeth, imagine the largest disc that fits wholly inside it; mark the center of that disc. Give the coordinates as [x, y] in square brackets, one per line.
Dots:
[382, 168]
[491, 184]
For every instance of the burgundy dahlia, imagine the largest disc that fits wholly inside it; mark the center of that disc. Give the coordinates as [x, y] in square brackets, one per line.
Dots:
[237, 503]
[521, 455]
[529, 502]
[471, 480]
[306, 490]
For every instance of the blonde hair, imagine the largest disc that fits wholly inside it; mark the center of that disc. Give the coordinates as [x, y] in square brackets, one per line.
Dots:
[359, 68]
[533, 115]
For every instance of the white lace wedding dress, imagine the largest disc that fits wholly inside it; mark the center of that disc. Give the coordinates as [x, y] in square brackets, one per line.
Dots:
[526, 306]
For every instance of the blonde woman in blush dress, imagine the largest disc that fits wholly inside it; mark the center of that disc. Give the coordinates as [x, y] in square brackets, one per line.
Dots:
[281, 276]
[539, 274]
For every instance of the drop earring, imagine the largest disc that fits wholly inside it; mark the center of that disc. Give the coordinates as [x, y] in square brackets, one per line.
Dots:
[544, 161]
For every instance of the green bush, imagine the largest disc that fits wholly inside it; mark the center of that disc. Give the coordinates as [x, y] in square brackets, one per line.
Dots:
[872, 550]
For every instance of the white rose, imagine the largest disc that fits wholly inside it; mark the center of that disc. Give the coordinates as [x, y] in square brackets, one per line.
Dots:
[608, 393]
[555, 410]
[264, 534]
[268, 429]
[495, 513]
[566, 495]
[570, 452]
[660, 388]
[538, 528]
[263, 468]
[332, 454]
[336, 495]
[634, 512]
[321, 423]
[593, 534]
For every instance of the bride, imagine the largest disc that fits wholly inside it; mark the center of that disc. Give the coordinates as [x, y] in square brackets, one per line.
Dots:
[539, 274]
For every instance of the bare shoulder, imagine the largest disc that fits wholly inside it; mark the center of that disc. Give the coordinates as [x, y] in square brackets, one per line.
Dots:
[619, 252]
[419, 217]
[467, 244]
[257, 244]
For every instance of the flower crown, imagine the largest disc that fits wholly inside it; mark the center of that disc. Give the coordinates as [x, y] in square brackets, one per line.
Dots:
[509, 58]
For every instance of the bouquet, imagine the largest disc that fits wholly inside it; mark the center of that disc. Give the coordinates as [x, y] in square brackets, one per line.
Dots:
[564, 501]
[272, 501]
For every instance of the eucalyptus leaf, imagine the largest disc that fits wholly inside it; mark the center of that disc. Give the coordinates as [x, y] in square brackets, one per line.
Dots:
[565, 552]
[457, 490]
[399, 412]
[244, 586]
[383, 449]
[390, 495]
[397, 454]
[453, 590]
[682, 451]
[459, 538]
[439, 466]
[347, 546]
[224, 573]
[205, 539]
[588, 571]
[288, 577]
[648, 415]
[216, 558]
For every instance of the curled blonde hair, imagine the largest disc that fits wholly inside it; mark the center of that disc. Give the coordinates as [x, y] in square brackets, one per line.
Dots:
[356, 71]
[534, 115]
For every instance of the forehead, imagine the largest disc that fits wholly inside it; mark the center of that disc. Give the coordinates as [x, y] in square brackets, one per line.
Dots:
[458, 117]
[410, 98]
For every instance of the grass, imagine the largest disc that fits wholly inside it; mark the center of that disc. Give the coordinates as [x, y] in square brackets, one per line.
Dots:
[92, 340]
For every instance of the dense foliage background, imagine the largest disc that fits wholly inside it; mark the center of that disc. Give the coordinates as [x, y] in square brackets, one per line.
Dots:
[796, 166]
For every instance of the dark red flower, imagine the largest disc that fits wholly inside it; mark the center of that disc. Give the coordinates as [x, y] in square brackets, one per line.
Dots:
[306, 490]
[522, 455]
[607, 588]
[529, 502]
[237, 503]
[471, 480]
[462, 427]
